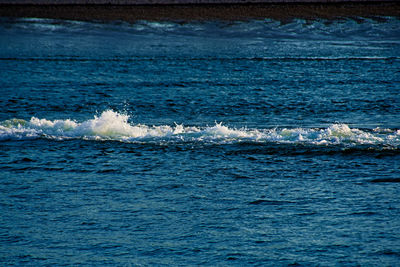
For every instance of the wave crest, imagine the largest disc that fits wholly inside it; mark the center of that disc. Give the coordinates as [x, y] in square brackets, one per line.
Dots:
[111, 125]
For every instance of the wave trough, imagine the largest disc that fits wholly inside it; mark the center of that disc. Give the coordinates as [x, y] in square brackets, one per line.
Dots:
[111, 125]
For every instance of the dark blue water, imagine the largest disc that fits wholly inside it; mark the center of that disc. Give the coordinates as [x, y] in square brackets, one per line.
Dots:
[207, 143]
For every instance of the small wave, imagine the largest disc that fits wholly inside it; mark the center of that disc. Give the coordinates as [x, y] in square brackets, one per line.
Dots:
[114, 126]
[208, 59]
[386, 180]
[384, 27]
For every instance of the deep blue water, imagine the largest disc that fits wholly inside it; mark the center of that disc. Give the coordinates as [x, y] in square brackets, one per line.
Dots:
[253, 143]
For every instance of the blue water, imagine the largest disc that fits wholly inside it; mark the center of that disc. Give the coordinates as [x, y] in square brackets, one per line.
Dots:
[253, 143]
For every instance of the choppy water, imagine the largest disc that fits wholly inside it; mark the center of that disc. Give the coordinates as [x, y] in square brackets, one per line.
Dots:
[205, 143]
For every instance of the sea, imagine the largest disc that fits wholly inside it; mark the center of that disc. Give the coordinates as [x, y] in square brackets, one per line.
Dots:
[200, 143]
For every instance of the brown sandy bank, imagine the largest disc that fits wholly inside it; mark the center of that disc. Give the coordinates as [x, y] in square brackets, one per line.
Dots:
[131, 13]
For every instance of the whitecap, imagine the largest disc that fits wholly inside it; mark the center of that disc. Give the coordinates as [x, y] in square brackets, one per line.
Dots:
[111, 125]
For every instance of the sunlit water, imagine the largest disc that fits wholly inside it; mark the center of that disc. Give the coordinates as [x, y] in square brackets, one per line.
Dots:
[205, 143]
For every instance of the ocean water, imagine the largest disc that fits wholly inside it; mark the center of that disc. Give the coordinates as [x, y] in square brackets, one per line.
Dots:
[244, 143]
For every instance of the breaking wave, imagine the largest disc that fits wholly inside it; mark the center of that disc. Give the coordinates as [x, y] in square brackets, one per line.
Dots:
[111, 125]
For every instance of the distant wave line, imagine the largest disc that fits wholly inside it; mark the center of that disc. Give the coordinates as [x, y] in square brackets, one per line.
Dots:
[77, 59]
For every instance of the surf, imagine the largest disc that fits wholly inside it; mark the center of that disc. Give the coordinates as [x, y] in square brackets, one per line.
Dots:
[114, 126]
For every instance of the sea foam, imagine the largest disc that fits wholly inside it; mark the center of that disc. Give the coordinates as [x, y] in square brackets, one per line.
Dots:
[111, 125]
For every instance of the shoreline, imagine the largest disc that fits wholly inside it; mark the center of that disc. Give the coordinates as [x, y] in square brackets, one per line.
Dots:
[201, 12]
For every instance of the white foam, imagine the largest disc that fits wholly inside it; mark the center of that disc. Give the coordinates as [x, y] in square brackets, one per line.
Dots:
[111, 125]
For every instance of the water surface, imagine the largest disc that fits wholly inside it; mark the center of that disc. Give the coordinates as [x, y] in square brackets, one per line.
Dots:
[206, 143]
